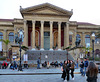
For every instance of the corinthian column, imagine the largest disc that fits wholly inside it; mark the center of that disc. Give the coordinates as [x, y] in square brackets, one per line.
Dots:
[33, 32]
[51, 34]
[83, 39]
[5, 38]
[42, 35]
[59, 35]
[26, 33]
[67, 30]
[14, 33]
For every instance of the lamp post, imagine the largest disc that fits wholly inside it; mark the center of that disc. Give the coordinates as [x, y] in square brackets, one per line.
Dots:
[93, 35]
[21, 33]
[67, 53]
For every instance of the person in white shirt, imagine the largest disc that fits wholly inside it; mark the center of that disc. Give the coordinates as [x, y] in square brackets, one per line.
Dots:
[25, 57]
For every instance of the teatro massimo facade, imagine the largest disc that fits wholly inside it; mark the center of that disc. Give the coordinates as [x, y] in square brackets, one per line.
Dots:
[47, 27]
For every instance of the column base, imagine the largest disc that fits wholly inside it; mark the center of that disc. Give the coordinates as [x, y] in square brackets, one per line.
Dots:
[42, 49]
[33, 49]
[51, 49]
[59, 49]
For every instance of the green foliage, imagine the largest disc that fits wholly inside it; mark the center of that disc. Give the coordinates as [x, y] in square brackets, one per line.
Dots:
[96, 58]
[3, 58]
[5, 41]
[68, 47]
[87, 49]
[24, 48]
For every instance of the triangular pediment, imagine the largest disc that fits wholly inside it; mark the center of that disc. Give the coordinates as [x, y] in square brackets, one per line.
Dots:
[45, 11]
[46, 8]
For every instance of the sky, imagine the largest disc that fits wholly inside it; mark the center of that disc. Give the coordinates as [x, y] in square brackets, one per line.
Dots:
[83, 10]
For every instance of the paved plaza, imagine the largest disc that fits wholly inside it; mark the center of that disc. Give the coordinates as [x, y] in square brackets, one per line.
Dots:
[40, 78]
[38, 75]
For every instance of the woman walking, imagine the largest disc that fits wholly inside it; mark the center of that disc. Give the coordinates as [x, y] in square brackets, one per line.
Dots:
[92, 72]
[82, 67]
[72, 69]
[68, 69]
[64, 70]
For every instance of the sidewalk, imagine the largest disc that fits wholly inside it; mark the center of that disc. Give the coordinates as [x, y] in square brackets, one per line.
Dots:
[34, 71]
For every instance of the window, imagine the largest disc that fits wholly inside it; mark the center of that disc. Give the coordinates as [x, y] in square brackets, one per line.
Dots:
[70, 39]
[97, 40]
[1, 35]
[46, 33]
[11, 36]
[87, 40]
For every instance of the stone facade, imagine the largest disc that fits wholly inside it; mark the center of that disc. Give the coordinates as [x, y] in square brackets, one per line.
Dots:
[47, 20]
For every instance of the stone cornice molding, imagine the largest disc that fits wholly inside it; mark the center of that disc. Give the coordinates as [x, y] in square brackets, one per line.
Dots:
[42, 22]
[59, 23]
[51, 22]
[44, 6]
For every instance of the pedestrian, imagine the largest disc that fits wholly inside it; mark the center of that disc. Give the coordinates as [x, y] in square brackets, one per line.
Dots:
[92, 72]
[38, 63]
[25, 57]
[4, 65]
[82, 67]
[48, 65]
[61, 64]
[56, 64]
[64, 68]
[68, 69]
[14, 65]
[72, 69]
[85, 65]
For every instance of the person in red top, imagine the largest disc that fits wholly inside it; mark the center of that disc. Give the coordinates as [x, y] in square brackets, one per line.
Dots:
[4, 65]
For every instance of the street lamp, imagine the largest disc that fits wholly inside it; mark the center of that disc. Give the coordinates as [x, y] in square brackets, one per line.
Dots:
[19, 40]
[93, 39]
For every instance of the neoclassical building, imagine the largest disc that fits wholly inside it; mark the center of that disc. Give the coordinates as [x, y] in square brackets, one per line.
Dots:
[47, 27]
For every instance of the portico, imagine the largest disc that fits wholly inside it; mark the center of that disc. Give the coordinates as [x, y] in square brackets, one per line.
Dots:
[46, 18]
[51, 27]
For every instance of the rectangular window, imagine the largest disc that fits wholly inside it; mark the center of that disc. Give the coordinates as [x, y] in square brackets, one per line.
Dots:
[70, 39]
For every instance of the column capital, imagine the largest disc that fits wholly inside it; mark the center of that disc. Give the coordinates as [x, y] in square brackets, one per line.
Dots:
[67, 22]
[75, 30]
[59, 22]
[15, 28]
[25, 21]
[33, 21]
[83, 32]
[51, 22]
[42, 22]
[5, 30]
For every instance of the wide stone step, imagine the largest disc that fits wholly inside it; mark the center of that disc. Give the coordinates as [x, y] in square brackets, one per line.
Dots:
[47, 55]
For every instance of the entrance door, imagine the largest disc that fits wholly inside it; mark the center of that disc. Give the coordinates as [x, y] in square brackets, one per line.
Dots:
[46, 40]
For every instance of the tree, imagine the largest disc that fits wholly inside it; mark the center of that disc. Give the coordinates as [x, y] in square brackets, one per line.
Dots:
[87, 49]
[6, 42]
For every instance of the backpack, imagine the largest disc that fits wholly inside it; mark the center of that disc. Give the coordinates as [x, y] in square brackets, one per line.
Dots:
[86, 64]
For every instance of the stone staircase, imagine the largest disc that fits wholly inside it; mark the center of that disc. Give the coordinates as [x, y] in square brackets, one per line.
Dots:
[47, 55]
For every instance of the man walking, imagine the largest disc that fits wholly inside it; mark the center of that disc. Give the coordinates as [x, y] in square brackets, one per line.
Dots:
[82, 67]
[38, 63]
[85, 65]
